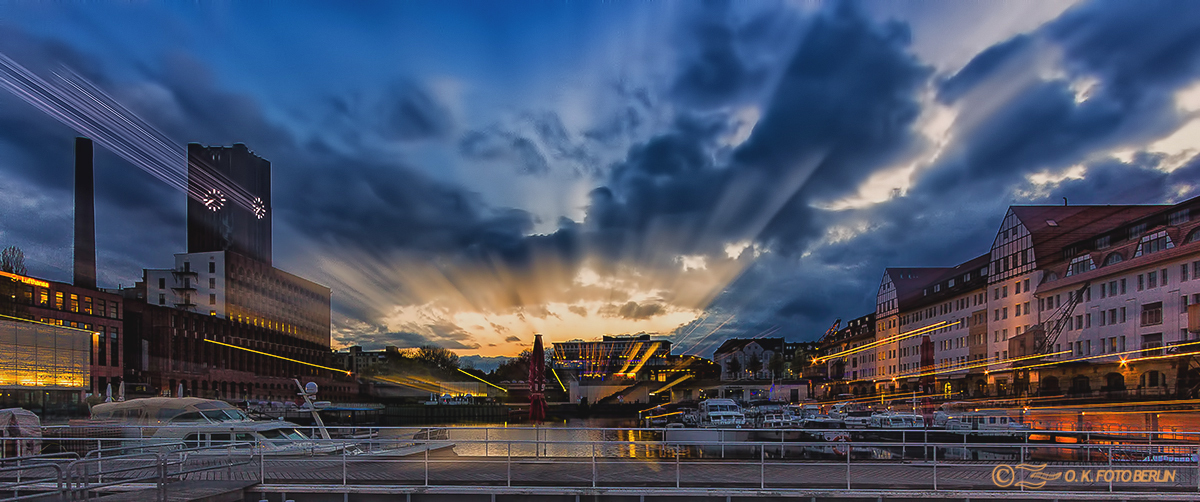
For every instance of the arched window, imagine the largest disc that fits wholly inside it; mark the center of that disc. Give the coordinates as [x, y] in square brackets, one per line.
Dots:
[1113, 259]
[1193, 237]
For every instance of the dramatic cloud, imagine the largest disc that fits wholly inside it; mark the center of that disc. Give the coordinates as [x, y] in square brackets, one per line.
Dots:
[748, 170]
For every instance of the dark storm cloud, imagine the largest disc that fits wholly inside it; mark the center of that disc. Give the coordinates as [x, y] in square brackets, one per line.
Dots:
[1140, 181]
[984, 66]
[411, 113]
[843, 108]
[714, 71]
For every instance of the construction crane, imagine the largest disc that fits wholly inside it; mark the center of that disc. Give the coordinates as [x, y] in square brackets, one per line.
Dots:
[1057, 322]
[1040, 339]
[832, 329]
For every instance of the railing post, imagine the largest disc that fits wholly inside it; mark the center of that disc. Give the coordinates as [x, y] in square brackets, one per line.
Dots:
[935, 466]
[762, 466]
[849, 452]
[1110, 476]
[676, 467]
[426, 461]
[509, 462]
[262, 469]
[344, 464]
[593, 465]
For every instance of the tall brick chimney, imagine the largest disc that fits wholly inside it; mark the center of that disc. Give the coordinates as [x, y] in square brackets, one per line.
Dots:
[85, 216]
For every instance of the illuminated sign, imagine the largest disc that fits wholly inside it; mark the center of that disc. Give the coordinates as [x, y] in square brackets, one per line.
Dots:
[26, 280]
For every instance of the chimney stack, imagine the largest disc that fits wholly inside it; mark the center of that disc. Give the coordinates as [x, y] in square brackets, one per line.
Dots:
[85, 216]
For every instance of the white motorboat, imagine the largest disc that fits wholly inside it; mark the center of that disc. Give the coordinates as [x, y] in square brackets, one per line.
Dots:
[891, 420]
[721, 413]
[198, 422]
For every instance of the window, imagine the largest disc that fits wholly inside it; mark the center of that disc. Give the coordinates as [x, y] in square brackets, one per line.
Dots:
[212, 298]
[1026, 308]
[74, 302]
[1137, 230]
[1017, 288]
[1103, 292]
[1005, 313]
[1005, 291]
[187, 266]
[1113, 259]
[212, 283]
[1123, 319]
[115, 357]
[1103, 242]
[212, 267]
[1152, 280]
[1192, 237]
[1163, 273]
[1183, 272]
[87, 305]
[1152, 314]
[1141, 282]
[1080, 265]
[162, 299]
[1154, 243]
[1017, 312]
[1179, 217]
[101, 349]
[1122, 286]
[112, 309]
[1183, 304]
[162, 283]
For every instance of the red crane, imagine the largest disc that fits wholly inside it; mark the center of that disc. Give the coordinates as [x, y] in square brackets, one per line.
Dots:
[537, 381]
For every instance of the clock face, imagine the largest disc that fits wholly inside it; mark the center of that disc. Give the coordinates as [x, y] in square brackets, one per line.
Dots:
[213, 199]
[260, 207]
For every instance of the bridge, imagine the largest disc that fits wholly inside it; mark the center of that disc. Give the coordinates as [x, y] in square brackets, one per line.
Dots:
[463, 463]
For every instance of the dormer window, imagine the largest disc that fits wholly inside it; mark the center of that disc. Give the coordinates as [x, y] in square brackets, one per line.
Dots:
[1051, 223]
[1080, 265]
[1154, 243]
[1179, 217]
[1103, 242]
[1137, 230]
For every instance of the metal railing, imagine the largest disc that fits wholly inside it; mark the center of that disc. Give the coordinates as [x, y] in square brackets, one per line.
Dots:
[661, 459]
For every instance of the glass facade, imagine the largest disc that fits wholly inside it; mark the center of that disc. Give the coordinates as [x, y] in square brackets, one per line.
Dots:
[34, 355]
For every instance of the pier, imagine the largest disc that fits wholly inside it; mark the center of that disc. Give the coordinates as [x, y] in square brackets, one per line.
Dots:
[496, 463]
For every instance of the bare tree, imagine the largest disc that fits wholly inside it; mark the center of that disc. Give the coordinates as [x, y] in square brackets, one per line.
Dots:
[12, 260]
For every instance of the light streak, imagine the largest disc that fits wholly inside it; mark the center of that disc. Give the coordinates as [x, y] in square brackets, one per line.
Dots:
[418, 385]
[1110, 354]
[84, 107]
[894, 338]
[560, 384]
[645, 357]
[1107, 405]
[629, 355]
[90, 332]
[710, 333]
[482, 380]
[665, 414]
[672, 384]
[278, 357]
[969, 365]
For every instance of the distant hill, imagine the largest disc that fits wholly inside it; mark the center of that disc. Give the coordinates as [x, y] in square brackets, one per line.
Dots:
[482, 363]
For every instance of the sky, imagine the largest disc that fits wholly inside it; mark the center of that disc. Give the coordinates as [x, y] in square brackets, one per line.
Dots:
[469, 173]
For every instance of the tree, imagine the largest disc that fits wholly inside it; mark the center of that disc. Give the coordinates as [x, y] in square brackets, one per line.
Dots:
[776, 365]
[12, 260]
[754, 364]
[734, 367]
[440, 358]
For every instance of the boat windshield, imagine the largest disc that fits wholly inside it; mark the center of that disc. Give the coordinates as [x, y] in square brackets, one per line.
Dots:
[722, 407]
[282, 436]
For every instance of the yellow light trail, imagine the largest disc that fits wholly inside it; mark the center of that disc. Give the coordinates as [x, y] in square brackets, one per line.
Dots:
[560, 384]
[665, 414]
[894, 338]
[1111, 354]
[968, 365]
[1165, 356]
[645, 357]
[53, 325]
[418, 385]
[672, 384]
[629, 354]
[277, 357]
[1107, 405]
[482, 380]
